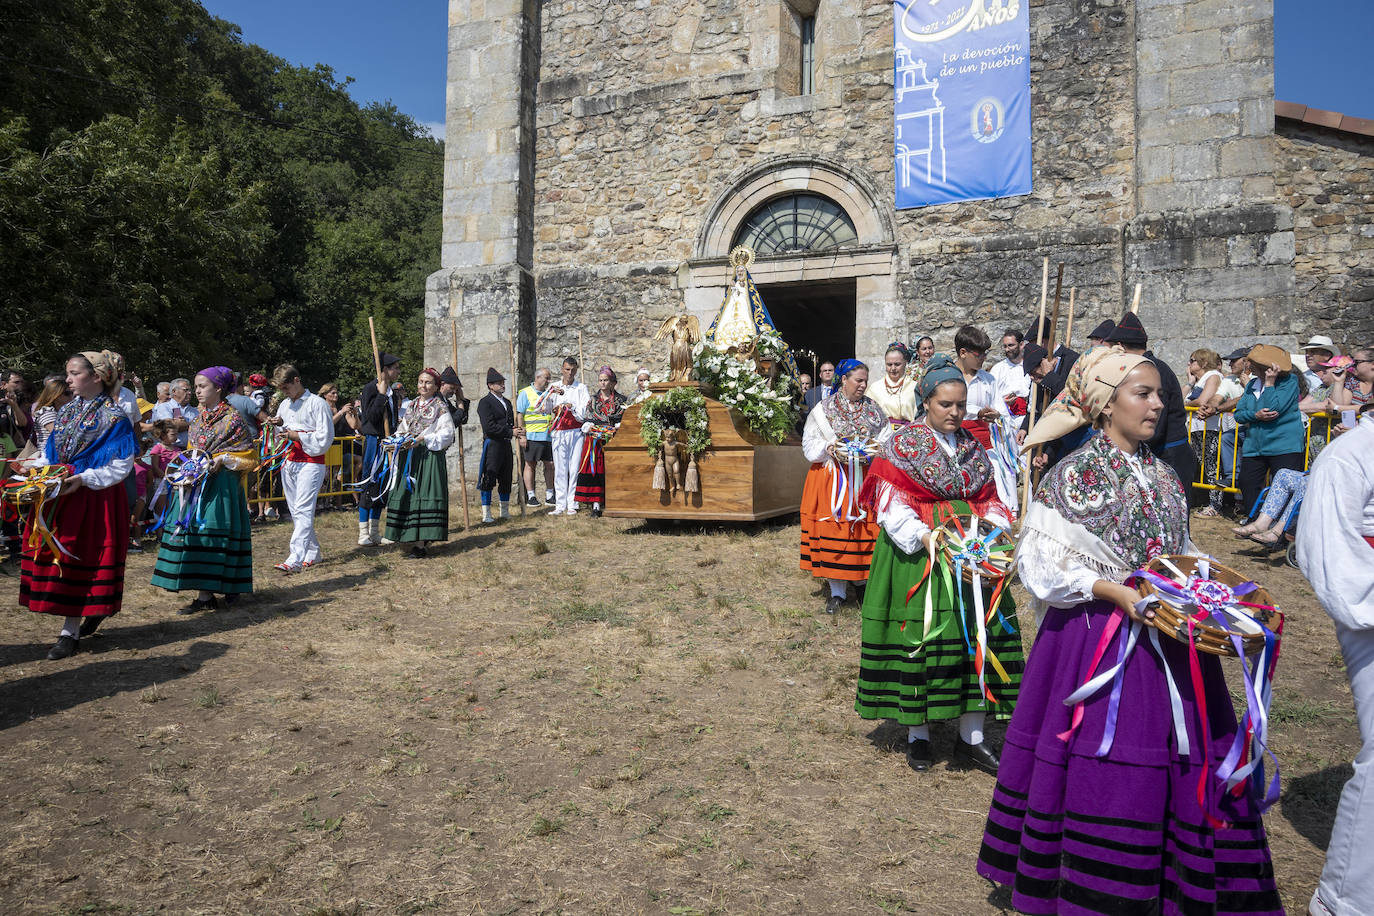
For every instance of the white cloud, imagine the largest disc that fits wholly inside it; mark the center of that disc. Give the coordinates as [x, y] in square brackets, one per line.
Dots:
[435, 128]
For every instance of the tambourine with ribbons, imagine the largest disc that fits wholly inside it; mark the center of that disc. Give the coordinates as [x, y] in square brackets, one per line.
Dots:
[601, 433]
[978, 551]
[847, 476]
[1210, 609]
[186, 473]
[34, 491]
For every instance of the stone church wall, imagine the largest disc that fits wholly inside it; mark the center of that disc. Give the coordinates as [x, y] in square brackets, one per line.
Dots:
[1327, 177]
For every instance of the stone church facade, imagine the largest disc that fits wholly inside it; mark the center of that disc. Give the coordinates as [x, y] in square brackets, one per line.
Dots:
[603, 156]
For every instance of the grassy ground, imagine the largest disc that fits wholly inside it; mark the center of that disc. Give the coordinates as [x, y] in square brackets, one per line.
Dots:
[548, 716]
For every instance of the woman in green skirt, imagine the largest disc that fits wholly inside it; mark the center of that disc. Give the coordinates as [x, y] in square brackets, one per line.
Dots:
[417, 502]
[207, 540]
[928, 654]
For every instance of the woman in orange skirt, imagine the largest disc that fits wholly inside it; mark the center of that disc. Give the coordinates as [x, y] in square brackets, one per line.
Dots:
[837, 536]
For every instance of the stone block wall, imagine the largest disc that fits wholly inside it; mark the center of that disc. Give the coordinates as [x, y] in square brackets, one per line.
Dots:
[1327, 177]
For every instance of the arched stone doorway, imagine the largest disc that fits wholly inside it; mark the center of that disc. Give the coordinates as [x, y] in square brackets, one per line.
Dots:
[826, 254]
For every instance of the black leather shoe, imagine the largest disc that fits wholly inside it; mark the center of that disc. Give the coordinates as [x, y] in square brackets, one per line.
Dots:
[65, 647]
[833, 603]
[918, 755]
[416, 553]
[196, 606]
[89, 625]
[979, 756]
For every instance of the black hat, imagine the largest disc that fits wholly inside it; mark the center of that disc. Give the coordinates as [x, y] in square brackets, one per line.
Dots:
[449, 377]
[1033, 332]
[1032, 355]
[1129, 331]
[1103, 330]
[494, 377]
[388, 360]
[1239, 353]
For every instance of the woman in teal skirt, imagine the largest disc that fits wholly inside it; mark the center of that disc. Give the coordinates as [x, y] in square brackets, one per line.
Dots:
[927, 654]
[417, 502]
[207, 540]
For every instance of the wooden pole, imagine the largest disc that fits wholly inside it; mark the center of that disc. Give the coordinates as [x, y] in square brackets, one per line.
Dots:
[581, 361]
[377, 364]
[515, 440]
[1068, 327]
[1054, 316]
[1135, 301]
[462, 455]
[1044, 295]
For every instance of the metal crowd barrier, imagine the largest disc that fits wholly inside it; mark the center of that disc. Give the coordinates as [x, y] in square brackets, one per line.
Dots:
[1321, 422]
[343, 464]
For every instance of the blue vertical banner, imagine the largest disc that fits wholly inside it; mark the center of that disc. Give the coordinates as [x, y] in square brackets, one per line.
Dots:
[961, 99]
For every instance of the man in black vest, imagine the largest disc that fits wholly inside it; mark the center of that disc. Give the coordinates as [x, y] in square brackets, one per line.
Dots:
[381, 410]
[497, 417]
[1170, 441]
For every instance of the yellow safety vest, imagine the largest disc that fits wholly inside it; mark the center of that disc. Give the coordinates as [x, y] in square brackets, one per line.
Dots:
[535, 422]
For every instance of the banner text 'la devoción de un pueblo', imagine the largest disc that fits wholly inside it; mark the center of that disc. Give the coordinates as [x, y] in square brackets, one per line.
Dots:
[961, 95]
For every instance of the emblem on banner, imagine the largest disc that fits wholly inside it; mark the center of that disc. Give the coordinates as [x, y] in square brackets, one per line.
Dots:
[988, 119]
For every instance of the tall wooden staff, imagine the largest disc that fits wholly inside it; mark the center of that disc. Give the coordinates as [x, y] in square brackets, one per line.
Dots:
[1050, 343]
[1068, 328]
[462, 455]
[377, 364]
[1034, 398]
[1135, 301]
[515, 440]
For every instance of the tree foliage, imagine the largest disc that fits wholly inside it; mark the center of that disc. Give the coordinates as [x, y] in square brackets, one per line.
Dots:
[172, 192]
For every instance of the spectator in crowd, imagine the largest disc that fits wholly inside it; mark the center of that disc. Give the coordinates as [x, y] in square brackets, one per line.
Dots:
[826, 387]
[1318, 350]
[14, 418]
[178, 409]
[1360, 379]
[254, 416]
[51, 399]
[1205, 425]
[344, 418]
[1274, 439]
[1281, 502]
[1323, 404]
[164, 392]
[924, 350]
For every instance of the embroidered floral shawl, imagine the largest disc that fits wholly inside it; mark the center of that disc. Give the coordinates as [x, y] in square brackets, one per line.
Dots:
[90, 434]
[922, 474]
[219, 429]
[422, 414]
[606, 411]
[1095, 488]
[849, 420]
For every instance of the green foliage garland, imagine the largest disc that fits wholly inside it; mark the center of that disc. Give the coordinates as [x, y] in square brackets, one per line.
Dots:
[658, 409]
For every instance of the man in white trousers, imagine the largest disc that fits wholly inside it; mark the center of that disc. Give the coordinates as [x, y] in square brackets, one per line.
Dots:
[307, 423]
[1336, 553]
[566, 401]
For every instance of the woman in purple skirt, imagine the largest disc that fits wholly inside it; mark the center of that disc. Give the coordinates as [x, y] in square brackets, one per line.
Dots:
[1116, 810]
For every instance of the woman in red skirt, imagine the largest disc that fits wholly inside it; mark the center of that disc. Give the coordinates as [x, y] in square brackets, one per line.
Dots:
[604, 412]
[837, 536]
[83, 582]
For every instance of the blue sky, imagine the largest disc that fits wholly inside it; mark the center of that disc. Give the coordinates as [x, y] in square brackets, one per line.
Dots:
[395, 49]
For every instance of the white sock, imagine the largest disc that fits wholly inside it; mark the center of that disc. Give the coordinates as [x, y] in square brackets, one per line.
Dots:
[971, 727]
[917, 733]
[839, 588]
[71, 626]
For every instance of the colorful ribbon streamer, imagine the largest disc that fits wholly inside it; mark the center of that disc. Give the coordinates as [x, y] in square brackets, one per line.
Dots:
[38, 490]
[845, 486]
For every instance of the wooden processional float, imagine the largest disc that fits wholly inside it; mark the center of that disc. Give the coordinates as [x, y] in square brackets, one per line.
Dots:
[739, 475]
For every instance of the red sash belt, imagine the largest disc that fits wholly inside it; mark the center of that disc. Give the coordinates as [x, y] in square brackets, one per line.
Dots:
[296, 453]
[1017, 407]
[980, 431]
[1369, 539]
[565, 419]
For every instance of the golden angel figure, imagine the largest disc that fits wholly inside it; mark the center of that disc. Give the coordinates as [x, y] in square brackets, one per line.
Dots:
[686, 331]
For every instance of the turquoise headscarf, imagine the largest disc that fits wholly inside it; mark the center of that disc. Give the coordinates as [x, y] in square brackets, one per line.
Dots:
[939, 370]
